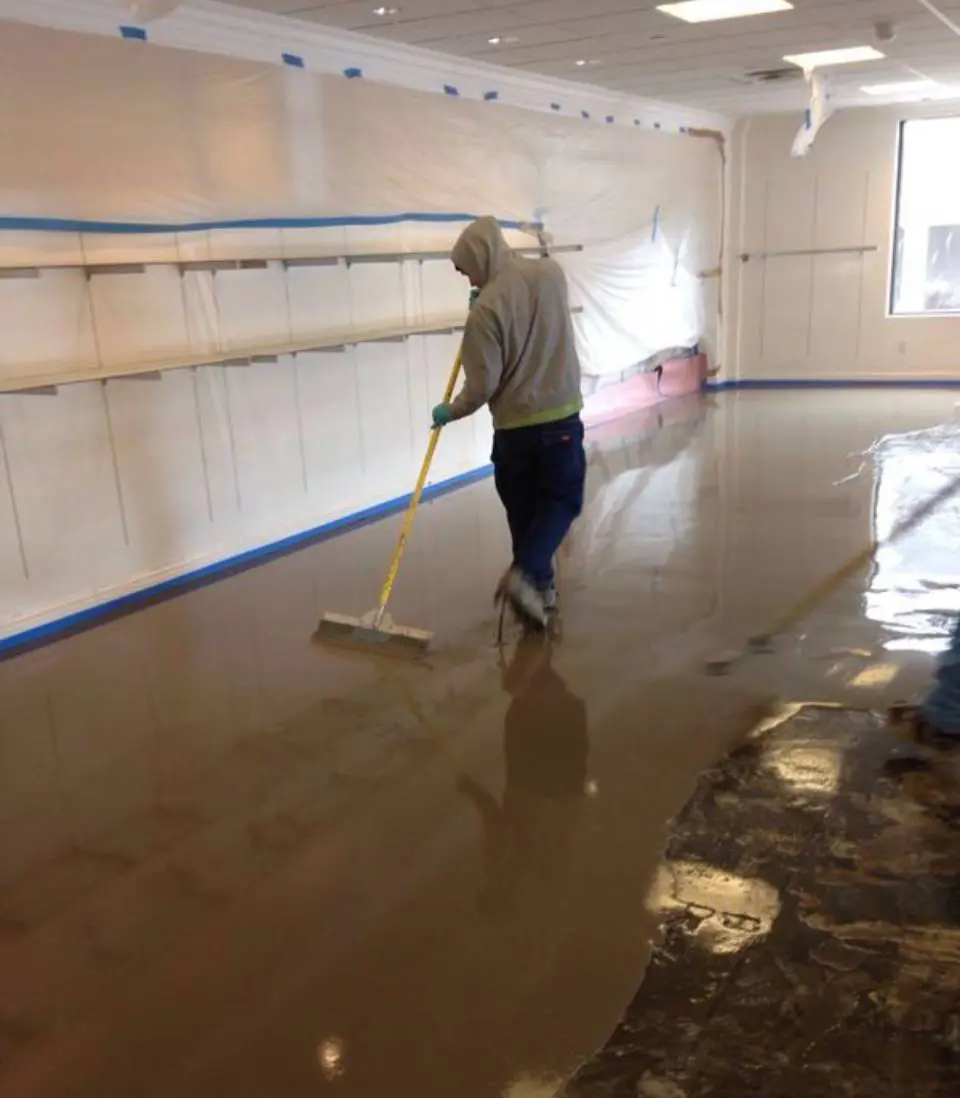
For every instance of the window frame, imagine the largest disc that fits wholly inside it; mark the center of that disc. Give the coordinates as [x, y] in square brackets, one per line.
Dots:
[896, 234]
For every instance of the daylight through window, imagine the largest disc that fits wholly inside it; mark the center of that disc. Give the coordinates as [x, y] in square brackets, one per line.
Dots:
[926, 249]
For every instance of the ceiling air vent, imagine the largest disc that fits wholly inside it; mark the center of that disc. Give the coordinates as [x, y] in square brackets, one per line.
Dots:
[773, 76]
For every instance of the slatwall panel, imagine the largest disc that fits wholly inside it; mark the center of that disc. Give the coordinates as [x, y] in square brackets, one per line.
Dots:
[117, 483]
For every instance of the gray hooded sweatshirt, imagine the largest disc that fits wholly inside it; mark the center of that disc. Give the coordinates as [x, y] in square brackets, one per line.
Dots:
[518, 348]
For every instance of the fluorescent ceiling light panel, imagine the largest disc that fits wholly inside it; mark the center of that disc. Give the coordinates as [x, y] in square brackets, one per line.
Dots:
[903, 87]
[820, 59]
[709, 11]
[937, 93]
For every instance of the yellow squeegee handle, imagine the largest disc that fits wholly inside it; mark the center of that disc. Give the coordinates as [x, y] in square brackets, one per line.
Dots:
[414, 500]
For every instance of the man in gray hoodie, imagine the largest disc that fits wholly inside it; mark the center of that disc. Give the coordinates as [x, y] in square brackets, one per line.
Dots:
[519, 357]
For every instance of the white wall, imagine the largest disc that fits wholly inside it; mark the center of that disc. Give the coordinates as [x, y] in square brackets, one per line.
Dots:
[115, 484]
[823, 316]
[111, 484]
[124, 483]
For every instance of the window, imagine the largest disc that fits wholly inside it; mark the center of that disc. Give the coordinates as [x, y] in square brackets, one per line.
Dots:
[926, 251]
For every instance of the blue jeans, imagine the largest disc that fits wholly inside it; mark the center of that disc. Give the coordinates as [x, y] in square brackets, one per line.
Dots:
[941, 706]
[539, 472]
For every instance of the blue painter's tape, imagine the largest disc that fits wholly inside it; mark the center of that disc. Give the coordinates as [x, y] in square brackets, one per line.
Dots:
[609, 119]
[79, 225]
[126, 604]
[832, 383]
[683, 129]
[353, 73]
[40, 635]
[137, 34]
[490, 96]
[294, 60]
[656, 225]
[554, 106]
[450, 89]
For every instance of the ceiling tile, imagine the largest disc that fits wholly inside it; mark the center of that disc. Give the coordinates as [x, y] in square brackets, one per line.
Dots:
[645, 52]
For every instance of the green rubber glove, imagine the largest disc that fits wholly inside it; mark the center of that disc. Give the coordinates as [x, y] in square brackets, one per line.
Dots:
[474, 294]
[442, 415]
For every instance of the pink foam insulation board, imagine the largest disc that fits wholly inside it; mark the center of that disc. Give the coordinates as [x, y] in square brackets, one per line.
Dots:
[680, 377]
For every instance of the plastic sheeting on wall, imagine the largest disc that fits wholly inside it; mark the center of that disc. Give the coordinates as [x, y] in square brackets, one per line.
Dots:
[146, 10]
[170, 474]
[161, 137]
[816, 114]
[230, 30]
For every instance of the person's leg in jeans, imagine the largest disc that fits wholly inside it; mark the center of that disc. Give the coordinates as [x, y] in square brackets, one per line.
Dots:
[515, 478]
[936, 720]
[941, 707]
[539, 474]
[559, 478]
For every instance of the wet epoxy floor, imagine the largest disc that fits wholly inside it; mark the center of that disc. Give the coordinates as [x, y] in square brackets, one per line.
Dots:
[231, 863]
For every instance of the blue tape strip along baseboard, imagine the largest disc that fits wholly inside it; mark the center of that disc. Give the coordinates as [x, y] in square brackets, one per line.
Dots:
[833, 383]
[39, 635]
[346, 221]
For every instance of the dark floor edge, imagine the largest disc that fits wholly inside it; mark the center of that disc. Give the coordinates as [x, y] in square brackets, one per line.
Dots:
[832, 383]
[37, 636]
[832, 968]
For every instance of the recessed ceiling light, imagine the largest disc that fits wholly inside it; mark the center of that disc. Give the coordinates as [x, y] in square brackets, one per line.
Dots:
[708, 11]
[820, 59]
[386, 11]
[904, 87]
[495, 40]
[580, 64]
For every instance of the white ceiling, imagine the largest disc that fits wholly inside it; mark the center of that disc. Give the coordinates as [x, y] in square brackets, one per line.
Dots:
[640, 51]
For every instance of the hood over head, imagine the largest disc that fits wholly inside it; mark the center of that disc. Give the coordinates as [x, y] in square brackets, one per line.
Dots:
[481, 251]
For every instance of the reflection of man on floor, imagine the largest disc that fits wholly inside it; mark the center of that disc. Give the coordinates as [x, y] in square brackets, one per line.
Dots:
[546, 744]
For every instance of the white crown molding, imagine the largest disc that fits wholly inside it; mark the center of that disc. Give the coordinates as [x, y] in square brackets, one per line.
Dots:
[212, 27]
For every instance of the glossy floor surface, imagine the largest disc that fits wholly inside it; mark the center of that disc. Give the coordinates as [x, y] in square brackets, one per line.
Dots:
[232, 863]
